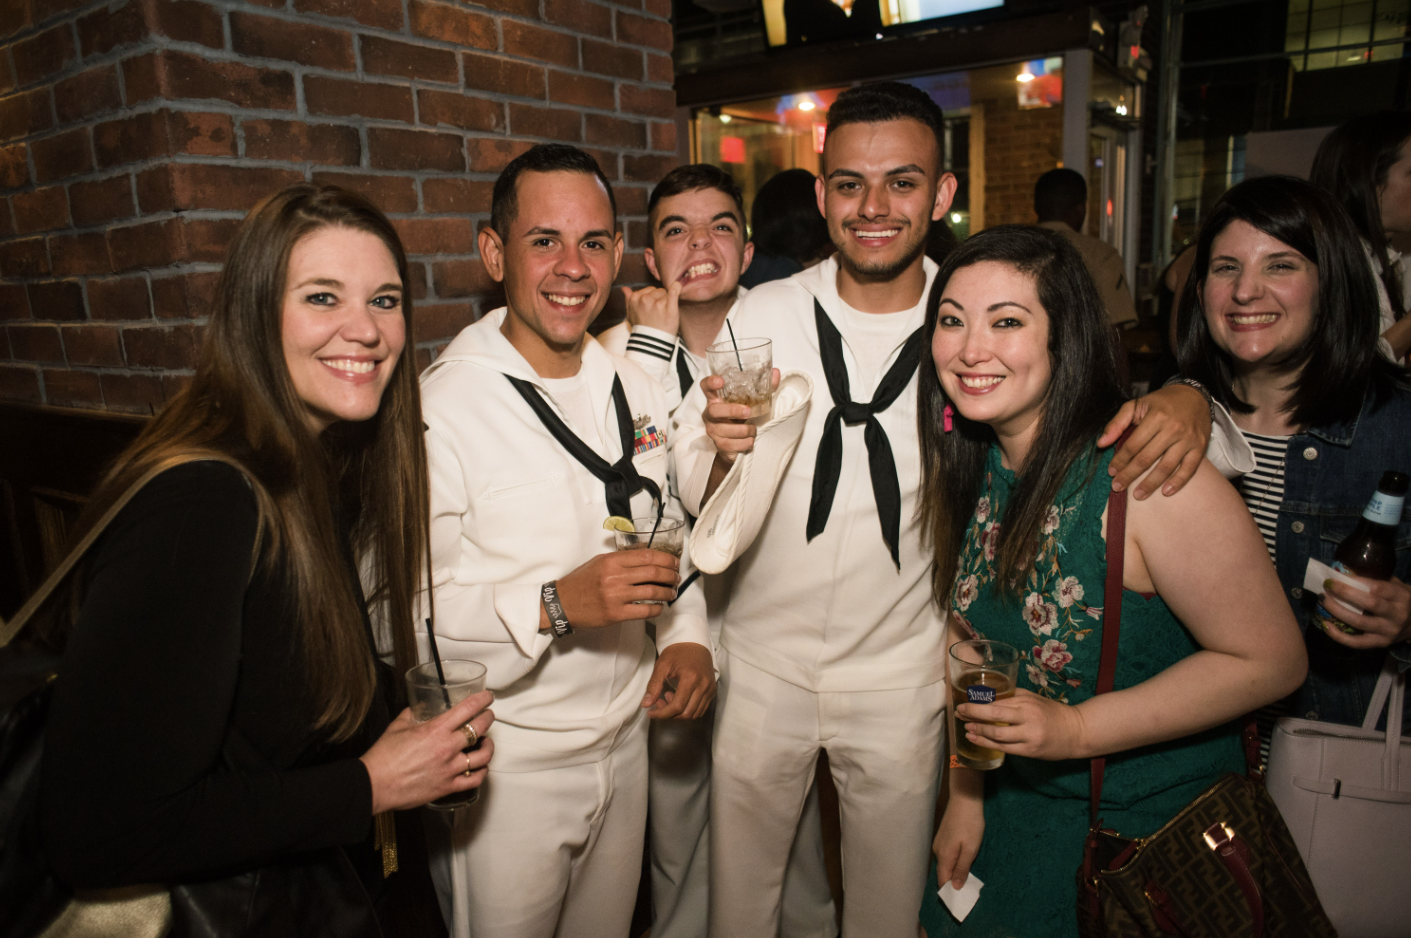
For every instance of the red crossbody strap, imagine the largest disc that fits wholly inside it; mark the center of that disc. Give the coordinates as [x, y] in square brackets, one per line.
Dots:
[1111, 621]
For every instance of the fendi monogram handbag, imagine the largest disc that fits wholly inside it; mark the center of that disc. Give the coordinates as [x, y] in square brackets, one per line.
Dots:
[1224, 867]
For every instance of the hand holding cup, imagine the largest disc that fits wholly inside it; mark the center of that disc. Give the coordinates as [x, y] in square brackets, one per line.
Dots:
[415, 762]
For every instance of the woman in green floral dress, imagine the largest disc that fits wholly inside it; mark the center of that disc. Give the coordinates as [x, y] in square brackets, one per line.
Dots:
[1015, 497]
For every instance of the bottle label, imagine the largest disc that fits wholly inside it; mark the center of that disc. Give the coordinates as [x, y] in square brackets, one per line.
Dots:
[1384, 509]
[1325, 619]
[980, 694]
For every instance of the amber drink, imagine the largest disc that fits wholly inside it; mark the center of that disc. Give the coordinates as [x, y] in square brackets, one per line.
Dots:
[981, 672]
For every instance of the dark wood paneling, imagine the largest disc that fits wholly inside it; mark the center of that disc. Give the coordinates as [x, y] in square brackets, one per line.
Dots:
[786, 71]
[50, 460]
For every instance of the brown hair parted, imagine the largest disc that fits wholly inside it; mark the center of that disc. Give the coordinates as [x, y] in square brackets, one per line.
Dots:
[242, 404]
[1332, 370]
[689, 178]
[1083, 394]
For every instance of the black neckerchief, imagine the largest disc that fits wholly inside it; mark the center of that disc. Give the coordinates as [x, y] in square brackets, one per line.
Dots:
[620, 479]
[683, 371]
[883, 467]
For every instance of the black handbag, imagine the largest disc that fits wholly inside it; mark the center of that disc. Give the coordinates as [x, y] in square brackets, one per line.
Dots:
[1225, 865]
[319, 894]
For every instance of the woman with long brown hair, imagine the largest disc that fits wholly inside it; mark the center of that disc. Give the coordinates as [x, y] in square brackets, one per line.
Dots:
[221, 722]
[1021, 380]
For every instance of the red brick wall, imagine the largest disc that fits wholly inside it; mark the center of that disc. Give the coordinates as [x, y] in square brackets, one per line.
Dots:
[134, 135]
[1020, 146]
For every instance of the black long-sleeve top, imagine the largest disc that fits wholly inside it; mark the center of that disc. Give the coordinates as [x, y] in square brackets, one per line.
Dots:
[179, 747]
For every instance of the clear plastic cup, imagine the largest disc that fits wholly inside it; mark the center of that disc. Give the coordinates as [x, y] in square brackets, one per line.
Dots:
[429, 698]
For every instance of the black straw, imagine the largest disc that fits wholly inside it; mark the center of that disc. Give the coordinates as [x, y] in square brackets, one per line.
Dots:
[736, 344]
[436, 657]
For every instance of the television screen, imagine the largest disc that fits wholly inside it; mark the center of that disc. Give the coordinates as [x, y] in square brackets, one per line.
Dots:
[799, 22]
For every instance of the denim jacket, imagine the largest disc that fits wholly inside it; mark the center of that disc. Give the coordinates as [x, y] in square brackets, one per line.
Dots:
[1330, 473]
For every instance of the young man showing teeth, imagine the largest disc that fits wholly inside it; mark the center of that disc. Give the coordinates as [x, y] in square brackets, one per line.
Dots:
[696, 222]
[830, 639]
[695, 217]
[535, 435]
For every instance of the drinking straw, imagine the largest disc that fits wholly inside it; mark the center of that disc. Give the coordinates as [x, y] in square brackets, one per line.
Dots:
[653, 535]
[436, 657]
[736, 344]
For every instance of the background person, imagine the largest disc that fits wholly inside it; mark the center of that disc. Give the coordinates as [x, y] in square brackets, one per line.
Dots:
[1366, 165]
[535, 435]
[699, 249]
[244, 713]
[1015, 503]
[1061, 203]
[1281, 326]
[696, 219]
[787, 230]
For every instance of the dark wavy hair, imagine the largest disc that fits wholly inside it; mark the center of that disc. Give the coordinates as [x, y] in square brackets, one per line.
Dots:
[1352, 163]
[881, 101]
[242, 404]
[1338, 362]
[785, 221]
[1084, 393]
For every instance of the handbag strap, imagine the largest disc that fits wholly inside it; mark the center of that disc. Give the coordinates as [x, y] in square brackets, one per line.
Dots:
[1385, 684]
[1111, 625]
[8, 630]
[1390, 694]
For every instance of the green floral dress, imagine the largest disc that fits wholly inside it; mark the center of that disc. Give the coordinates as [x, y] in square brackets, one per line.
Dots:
[1036, 812]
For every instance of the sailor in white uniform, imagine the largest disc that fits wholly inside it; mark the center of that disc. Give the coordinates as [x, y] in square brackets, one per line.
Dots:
[536, 435]
[695, 219]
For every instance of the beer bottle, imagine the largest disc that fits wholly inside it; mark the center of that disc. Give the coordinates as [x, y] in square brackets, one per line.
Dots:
[1370, 550]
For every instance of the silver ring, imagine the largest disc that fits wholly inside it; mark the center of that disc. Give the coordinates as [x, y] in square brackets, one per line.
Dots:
[467, 771]
[471, 737]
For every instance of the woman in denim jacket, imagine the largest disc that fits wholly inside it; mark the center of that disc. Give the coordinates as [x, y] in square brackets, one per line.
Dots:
[1280, 322]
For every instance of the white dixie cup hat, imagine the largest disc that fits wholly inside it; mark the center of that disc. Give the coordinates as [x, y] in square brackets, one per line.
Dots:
[731, 519]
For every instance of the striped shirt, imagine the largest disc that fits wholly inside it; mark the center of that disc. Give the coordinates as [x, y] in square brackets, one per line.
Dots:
[1263, 489]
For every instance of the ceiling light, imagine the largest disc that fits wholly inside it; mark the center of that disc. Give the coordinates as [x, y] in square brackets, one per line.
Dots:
[955, 217]
[725, 118]
[807, 105]
[1025, 75]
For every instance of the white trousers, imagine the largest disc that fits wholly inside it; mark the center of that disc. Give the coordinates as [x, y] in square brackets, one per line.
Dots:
[679, 828]
[549, 854]
[884, 751]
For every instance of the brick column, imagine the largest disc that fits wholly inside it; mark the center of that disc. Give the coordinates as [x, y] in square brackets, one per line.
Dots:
[134, 136]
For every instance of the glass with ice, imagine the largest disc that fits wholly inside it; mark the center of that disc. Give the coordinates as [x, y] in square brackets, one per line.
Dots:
[748, 369]
[668, 536]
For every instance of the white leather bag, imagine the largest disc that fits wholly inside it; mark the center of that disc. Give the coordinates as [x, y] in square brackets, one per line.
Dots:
[1345, 793]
